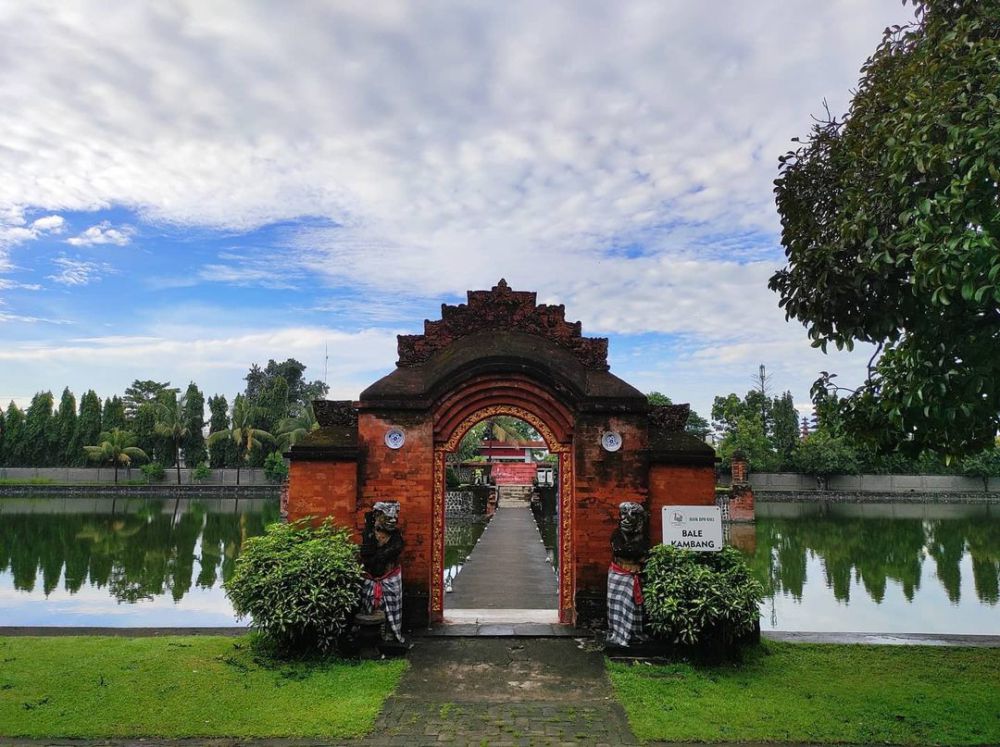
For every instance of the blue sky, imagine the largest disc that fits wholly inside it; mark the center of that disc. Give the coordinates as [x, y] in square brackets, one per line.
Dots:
[188, 188]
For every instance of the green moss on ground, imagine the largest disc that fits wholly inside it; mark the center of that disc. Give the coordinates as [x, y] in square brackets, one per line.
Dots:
[820, 693]
[181, 686]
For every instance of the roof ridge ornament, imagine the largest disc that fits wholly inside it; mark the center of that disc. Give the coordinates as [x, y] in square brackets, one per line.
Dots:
[502, 309]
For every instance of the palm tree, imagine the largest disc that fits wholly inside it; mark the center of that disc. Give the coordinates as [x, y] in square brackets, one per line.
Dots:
[171, 423]
[117, 447]
[242, 432]
[294, 429]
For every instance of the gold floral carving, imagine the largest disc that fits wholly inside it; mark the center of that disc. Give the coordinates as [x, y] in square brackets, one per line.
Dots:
[437, 535]
[510, 410]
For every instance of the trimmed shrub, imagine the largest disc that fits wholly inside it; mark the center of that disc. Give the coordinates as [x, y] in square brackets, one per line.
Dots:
[153, 472]
[298, 584]
[275, 469]
[201, 473]
[697, 598]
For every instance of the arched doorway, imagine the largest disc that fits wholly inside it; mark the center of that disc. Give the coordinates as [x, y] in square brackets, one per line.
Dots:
[564, 452]
[502, 353]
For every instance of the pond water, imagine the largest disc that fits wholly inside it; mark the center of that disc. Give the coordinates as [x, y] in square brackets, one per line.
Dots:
[123, 562]
[876, 568]
[134, 562]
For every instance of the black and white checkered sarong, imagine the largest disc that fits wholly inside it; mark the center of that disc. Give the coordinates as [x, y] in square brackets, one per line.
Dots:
[624, 614]
[386, 593]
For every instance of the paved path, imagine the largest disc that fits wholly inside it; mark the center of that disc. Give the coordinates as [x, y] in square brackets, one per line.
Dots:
[508, 569]
[496, 691]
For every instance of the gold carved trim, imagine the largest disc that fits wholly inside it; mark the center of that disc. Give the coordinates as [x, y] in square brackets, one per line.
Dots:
[566, 559]
[510, 410]
[437, 534]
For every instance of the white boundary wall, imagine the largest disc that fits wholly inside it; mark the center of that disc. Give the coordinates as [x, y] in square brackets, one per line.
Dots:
[106, 475]
[792, 482]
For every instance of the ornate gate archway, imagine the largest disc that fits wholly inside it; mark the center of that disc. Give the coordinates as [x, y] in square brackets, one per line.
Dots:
[500, 354]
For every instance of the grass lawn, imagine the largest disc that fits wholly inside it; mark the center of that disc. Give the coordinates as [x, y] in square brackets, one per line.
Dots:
[820, 693]
[183, 686]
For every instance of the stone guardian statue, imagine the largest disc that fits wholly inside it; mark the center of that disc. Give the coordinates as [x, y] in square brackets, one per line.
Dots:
[629, 547]
[381, 546]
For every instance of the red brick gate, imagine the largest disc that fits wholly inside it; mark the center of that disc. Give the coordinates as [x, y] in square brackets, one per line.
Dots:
[500, 354]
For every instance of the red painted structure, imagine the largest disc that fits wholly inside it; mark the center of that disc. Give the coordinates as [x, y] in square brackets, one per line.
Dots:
[500, 354]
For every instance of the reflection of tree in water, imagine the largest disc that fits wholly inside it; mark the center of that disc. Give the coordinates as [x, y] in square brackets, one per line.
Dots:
[874, 551]
[137, 555]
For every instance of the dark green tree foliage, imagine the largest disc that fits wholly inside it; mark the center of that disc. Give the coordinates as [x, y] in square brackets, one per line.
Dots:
[114, 414]
[143, 426]
[300, 392]
[784, 426]
[222, 453]
[66, 431]
[891, 228]
[14, 438]
[171, 426]
[88, 427]
[40, 434]
[3, 436]
[144, 392]
[984, 465]
[823, 455]
[271, 409]
[298, 584]
[194, 449]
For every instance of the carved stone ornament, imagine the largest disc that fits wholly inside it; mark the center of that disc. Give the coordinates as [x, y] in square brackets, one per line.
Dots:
[503, 309]
[395, 438]
[669, 418]
[611, 440]
[335, 412]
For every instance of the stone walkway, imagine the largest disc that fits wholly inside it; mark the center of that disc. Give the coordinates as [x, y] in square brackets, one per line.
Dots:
[502, 691]
[508, 569]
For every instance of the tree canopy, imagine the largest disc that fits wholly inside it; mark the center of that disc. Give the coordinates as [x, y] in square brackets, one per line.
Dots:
[891, 229]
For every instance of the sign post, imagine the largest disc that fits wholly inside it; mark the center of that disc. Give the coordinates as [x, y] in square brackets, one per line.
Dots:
[693, 527]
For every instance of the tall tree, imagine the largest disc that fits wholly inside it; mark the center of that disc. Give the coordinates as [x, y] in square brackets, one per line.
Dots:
[142, 393]
[66, 430]
[14, 438]
[300, 391]
[291, 430]
[39, 431]
[143, 427]
[784, 426]
[88, 425]
[114, 413]
[117, 448]
[242, 432]
[3, 437]
[171, 424]
[194, 449]
[891, 227]
[221, 453]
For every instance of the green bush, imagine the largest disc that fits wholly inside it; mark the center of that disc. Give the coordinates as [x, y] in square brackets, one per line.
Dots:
[697, 598]
[201, 473]
[452, 479]
[153, 472]
[275, 468]
[298, 584]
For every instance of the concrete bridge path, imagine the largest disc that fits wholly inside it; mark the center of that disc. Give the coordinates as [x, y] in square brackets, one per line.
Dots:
[507, 569]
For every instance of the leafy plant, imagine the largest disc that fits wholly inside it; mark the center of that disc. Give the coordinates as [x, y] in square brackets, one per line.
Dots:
[696, 598]
[201, 473]
[275, 469]
[241, 432]
[153, 472]
[117, 448]
[891, 228]
[298, 584]
[822, 455]
[984, 465]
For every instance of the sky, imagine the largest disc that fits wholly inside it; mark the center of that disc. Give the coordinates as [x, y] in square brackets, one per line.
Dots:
[187, 188]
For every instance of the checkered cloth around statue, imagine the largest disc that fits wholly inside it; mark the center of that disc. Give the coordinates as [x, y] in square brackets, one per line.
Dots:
[381, 546]
[629, 547]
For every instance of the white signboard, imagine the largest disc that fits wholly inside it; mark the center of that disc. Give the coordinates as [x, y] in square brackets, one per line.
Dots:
[693, 527]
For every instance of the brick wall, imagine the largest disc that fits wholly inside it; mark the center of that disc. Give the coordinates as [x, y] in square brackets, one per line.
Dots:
[323, 489]
[677, 485]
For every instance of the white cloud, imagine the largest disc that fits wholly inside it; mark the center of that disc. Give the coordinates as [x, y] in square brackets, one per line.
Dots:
[215, 360]
[440, 147]
[75, 272]
[103, 233]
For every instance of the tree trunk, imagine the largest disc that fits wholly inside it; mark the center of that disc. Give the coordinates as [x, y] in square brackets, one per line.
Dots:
[237, 473]
[116, 473]
[177, 461]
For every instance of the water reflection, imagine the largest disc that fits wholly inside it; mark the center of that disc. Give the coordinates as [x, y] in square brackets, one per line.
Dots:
[55, 552]
[876, 556]
[460, 537]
